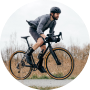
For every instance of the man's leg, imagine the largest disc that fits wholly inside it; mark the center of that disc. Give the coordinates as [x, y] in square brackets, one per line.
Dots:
[41, 59]
[40, 67]
[36, 37]
[43, 47]
[38, 44]
[28, 55]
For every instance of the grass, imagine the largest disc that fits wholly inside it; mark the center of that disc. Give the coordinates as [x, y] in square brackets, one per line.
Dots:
[58, 75]
[41, 77]
[34, 77]
[44, 77]
[46, 88]
[48, 77]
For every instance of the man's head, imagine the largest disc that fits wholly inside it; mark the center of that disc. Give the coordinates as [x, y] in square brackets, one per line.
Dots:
[55, 16]
[54, 12]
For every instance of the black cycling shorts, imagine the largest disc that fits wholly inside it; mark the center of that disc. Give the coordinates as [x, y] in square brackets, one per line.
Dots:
[35, 35]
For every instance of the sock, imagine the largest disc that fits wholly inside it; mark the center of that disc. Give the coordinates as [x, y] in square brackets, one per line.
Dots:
[30, 52]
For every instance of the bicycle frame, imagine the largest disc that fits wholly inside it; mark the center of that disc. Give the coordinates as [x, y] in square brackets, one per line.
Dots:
[56, 60]
[51, 50]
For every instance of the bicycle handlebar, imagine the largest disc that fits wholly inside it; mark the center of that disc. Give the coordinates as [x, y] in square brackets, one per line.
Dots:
[51, 34]
[52, 38]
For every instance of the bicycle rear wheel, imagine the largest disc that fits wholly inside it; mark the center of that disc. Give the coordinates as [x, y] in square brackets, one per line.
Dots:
[62, 71]
[16, 65]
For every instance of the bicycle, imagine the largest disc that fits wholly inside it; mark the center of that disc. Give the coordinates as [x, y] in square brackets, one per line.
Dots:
[20, 69]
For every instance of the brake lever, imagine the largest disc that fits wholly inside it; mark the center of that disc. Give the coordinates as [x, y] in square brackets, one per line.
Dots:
[60, 34]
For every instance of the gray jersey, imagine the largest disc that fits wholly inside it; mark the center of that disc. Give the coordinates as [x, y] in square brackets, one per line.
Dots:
[42, 23]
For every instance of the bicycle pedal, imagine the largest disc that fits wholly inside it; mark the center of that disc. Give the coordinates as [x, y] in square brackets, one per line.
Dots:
[34, 66]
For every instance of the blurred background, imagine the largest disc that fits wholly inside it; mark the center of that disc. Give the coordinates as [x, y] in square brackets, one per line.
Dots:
[74, 31]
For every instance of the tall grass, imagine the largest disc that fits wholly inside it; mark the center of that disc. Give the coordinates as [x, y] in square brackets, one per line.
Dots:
[80, 54]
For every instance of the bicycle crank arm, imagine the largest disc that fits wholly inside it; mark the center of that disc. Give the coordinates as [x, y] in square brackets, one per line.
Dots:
[27, 65]
[33, 66]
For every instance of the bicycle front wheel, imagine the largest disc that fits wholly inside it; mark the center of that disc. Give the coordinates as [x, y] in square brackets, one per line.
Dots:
[62, 71]
[16, 65]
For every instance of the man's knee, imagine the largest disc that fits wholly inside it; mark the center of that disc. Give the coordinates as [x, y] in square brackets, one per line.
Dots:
[40, 41]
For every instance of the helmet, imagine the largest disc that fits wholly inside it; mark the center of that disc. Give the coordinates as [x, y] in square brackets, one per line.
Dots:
[55, 10]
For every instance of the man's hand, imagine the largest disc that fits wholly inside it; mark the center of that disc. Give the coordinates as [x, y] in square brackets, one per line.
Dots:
[43, 36]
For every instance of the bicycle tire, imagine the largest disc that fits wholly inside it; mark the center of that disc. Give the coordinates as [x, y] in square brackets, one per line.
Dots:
[72, 64]
[10, 68]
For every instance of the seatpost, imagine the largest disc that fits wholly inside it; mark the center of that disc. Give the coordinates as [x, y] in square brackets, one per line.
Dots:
[28, 43]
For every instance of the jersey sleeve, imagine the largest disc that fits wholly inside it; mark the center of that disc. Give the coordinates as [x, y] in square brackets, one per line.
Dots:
[52, 28]
[40, 25]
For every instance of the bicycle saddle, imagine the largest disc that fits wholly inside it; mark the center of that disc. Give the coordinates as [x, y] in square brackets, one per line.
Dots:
[25, 37]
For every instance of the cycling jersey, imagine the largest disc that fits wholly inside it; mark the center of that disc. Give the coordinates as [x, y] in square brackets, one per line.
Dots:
[42, 23]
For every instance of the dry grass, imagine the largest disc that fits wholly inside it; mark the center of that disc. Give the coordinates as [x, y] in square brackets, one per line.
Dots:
[80, 58]
[79, 65]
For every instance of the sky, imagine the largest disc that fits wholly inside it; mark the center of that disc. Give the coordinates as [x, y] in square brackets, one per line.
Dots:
[69, 23]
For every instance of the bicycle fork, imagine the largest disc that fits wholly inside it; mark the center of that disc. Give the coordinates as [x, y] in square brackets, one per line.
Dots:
[54, 55]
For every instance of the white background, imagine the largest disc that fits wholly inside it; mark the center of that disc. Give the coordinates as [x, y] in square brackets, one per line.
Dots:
[69, 23]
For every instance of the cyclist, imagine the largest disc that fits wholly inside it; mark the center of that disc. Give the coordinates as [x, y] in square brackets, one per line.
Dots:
[37, 28]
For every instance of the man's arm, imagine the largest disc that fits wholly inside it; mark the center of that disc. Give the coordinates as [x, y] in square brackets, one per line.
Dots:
[52, 28]
[40, 25]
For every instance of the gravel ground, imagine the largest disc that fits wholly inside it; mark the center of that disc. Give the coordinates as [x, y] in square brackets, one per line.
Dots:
[45, 82]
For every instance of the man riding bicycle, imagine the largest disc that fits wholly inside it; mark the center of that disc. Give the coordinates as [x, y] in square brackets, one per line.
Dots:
[37, 28]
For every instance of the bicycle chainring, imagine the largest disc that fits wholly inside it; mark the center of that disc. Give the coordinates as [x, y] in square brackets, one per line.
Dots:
[34, 67]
